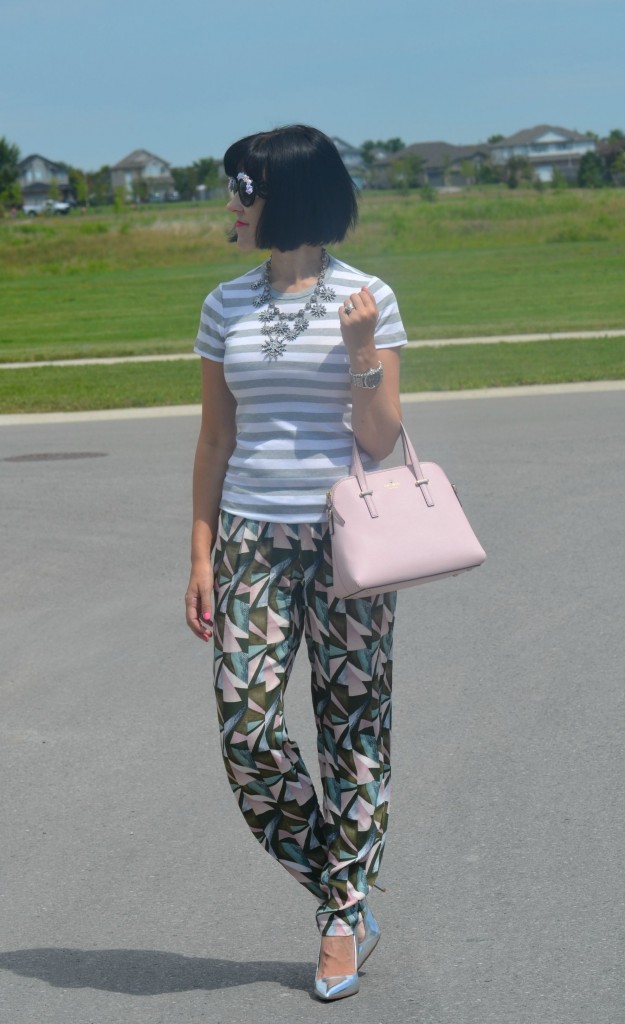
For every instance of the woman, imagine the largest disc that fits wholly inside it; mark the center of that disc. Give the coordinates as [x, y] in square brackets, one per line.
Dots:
[297, 353]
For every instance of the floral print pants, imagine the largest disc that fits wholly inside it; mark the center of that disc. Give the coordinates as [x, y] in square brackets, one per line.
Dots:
[273, 584]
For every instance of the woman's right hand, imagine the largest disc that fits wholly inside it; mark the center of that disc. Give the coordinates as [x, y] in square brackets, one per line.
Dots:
[215, 444]
[198, 601]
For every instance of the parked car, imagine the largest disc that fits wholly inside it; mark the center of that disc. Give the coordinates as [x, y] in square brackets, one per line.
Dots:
[47, 206]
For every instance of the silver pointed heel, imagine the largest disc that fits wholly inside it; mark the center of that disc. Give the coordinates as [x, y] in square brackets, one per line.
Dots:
[339, 986]
[371, 939]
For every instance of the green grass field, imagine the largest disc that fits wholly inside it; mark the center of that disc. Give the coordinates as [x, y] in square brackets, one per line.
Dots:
[482, 262]
[121, 386]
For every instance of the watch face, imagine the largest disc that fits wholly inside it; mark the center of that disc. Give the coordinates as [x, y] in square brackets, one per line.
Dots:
[370, 379]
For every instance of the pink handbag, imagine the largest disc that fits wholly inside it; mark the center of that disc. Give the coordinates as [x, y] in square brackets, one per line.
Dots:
[395, 528]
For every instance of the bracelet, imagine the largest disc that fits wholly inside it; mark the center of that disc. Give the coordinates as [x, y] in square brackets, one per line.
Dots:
[371, 378]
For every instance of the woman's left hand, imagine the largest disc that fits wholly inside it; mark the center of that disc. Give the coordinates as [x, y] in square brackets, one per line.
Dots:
[358, 324]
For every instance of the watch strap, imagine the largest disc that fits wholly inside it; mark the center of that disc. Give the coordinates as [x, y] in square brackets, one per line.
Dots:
[371, 378]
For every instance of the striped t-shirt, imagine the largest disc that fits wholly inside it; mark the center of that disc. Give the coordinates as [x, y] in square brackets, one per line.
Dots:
[293, 414]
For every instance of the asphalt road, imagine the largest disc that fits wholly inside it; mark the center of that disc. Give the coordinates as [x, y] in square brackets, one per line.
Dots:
[131, 891]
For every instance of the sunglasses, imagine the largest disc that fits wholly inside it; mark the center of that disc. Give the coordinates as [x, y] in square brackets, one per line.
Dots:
[245, 188]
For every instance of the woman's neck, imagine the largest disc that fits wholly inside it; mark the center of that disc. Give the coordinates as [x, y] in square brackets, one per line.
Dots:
[297, 270]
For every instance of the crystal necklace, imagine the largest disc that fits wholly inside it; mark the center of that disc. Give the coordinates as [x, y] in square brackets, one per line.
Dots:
[278, 327]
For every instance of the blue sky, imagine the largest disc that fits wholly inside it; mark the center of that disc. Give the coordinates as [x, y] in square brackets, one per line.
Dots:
[87, 81]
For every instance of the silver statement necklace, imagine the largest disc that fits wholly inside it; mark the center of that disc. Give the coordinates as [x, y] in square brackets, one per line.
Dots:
[278, 327]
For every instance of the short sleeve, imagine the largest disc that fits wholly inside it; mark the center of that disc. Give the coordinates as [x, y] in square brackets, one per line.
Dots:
[389, 331]
[210, 339]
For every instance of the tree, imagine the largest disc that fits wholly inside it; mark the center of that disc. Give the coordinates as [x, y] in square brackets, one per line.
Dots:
[591, 173]
[489, 173]
[185, 181]
[11, 196]
[406, 171]
[612, 153]
[99, 185]
[139, 188]
[9, 159]
[119, 198]
[369, 148]
[367, 152]
[492, 139]
[201, 172]
[207, 171]
[558, 181]
[81, 190]
[468, 171]
[617, 169]
[518, 169]
[78, 185]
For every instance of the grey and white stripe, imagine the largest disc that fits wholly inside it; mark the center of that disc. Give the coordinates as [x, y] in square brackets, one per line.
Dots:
[293, 414]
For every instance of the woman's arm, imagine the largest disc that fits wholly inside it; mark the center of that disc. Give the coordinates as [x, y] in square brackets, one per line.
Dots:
[214, 447]
[376, 412]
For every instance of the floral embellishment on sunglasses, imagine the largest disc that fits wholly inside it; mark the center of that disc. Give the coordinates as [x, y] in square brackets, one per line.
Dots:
[247, 181]
[244, 187]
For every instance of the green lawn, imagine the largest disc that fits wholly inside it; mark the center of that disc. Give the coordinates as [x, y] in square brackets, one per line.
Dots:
[481, 262]
[452, 367]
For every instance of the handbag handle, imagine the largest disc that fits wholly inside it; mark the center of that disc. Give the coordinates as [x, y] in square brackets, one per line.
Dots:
[410, 460]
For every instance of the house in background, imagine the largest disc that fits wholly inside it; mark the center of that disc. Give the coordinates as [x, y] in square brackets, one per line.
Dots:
[442, 165]
[37, 175]
[548, 150]
[142, 171]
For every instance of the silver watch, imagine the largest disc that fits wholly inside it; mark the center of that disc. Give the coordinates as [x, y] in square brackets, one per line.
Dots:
[369, 379]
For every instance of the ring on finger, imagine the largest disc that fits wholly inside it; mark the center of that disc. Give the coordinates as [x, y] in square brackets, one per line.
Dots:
[348, 308]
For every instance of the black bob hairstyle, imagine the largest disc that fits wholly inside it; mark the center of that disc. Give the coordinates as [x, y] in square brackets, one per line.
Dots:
[310, 198]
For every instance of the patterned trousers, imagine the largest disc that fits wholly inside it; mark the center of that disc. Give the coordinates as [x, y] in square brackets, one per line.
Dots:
[273, 584]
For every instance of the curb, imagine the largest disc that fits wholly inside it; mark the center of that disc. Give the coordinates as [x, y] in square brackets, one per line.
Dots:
[163, 411]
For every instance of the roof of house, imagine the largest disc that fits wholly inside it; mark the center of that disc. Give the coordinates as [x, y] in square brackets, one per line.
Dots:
[529, 135]
[136, 160]
[37, 156]
[436, 154]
